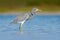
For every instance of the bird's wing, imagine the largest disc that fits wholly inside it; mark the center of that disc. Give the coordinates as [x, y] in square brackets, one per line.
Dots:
[21, 17]
[17, 18]
[14, 20]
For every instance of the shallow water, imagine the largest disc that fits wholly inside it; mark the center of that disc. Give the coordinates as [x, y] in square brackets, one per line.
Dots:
[39, 28]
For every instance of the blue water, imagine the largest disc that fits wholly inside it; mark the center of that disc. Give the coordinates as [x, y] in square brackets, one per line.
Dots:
[38, 28]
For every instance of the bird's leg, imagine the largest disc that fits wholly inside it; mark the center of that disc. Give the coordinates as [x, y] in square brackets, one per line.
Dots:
[20, 28]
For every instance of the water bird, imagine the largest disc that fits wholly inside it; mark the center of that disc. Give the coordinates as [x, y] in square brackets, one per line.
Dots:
[21, 19]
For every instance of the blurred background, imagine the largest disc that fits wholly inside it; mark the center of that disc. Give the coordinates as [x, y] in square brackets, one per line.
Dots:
[45, 26]
[26, 5]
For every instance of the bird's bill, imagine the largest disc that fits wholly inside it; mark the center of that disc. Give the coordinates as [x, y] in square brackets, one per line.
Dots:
[37, 10]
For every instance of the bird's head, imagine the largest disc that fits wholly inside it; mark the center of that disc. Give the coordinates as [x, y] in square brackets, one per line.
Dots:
[35, 10]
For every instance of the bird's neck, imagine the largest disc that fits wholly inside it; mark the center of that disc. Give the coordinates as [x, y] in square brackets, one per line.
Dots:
[32, 12]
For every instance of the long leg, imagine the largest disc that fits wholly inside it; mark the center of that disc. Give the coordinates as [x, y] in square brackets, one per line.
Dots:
[20, 27]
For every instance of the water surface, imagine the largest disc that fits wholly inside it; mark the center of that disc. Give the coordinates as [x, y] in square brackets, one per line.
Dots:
[39, 28]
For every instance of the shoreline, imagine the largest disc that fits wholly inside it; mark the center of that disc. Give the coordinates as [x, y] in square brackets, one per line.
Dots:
[41, 13]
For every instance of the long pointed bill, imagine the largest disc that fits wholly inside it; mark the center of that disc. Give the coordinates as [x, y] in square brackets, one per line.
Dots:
[37, 10]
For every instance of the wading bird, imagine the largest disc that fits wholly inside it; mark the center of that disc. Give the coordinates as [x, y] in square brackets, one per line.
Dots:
[25, 17]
